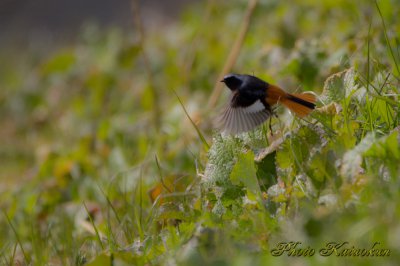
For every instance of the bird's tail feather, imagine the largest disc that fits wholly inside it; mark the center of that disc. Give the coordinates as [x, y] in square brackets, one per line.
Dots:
[300, 104]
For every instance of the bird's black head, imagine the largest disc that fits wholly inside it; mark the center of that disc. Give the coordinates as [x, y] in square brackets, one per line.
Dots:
[232, 81]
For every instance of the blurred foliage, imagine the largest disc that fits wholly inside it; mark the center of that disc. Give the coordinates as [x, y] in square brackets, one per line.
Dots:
[92, 175]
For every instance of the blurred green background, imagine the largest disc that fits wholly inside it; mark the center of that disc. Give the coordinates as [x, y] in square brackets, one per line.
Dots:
[101, 165]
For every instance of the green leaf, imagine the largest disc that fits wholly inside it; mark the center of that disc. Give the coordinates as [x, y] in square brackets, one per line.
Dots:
[352, 159]
[221, 159]
[101, 260]
[349, 82]
[60, 63]
[266, 170]
[387, 146]
[127, 56]
[339, 86]
[322, 167]
[244, 172]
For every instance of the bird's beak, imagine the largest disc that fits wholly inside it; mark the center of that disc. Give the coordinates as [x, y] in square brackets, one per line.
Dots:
[222, 80]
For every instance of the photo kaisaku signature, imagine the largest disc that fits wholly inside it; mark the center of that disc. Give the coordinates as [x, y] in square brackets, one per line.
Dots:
[339, 249]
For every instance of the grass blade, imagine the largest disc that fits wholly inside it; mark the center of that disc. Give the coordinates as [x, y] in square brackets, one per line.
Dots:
[191, 121]
[94, 226]
[26, 257]
[387, 38]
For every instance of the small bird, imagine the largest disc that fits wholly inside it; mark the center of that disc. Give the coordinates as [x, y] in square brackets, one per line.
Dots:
[251, 103]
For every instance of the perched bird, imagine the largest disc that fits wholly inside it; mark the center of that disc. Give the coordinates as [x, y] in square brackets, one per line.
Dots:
[251, 102]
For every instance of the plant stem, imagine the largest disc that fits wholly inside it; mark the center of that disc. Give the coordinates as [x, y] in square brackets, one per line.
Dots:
[234, 53]
[150, 79]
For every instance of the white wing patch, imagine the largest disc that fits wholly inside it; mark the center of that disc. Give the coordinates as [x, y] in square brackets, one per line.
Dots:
[256, 107]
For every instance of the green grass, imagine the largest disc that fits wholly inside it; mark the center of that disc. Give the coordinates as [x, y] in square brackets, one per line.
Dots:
[93, 173]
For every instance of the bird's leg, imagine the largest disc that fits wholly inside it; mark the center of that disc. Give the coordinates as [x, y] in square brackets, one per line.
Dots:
[270, 125]
[270, 120]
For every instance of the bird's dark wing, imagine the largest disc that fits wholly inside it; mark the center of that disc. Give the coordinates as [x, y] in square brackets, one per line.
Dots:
[236, 118]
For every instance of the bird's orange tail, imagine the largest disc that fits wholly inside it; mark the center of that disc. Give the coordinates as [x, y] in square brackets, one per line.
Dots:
[300, 104]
